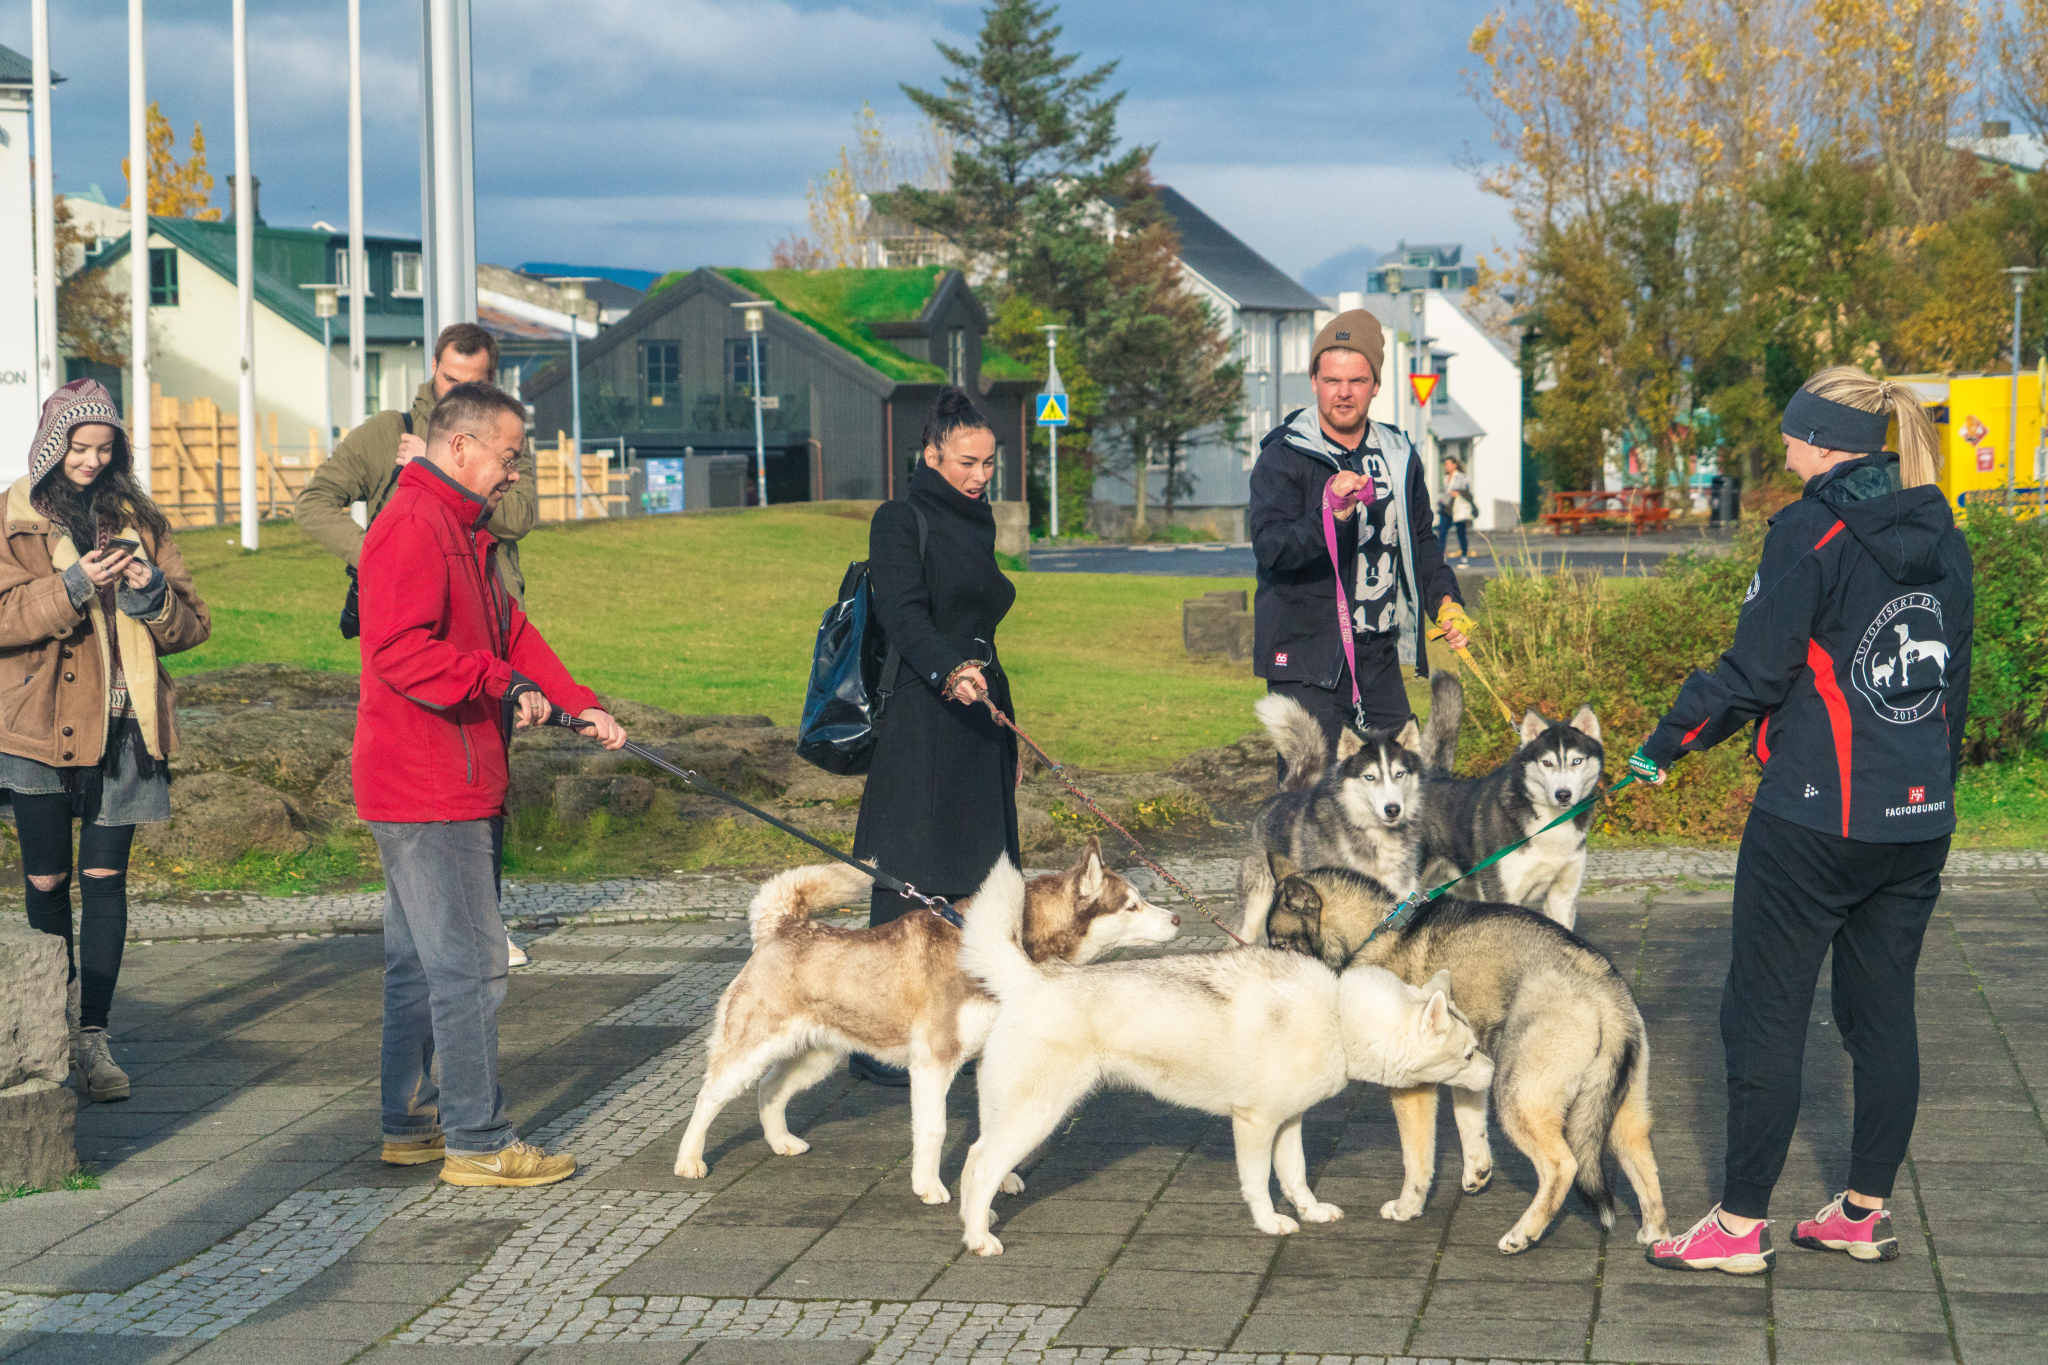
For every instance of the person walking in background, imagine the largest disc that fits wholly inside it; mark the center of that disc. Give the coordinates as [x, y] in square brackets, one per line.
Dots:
[444, 647]
[366, 465]
[1391, 563]
[1852, 655]
[940, 804]
[93, 592]
[1454, 508]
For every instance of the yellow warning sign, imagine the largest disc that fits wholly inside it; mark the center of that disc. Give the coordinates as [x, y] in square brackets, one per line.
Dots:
[1052, 409]
[1424, 385]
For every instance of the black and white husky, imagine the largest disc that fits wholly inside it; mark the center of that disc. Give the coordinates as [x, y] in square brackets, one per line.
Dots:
[1467, 818]
[1363, 814]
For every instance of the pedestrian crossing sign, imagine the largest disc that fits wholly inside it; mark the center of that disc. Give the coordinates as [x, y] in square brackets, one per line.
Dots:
[1424, 385]
[1052, 409]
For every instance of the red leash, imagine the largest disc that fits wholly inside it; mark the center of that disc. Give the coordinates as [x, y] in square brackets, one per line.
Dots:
[1102, 815]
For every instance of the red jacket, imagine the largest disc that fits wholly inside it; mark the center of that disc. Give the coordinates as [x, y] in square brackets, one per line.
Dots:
[441, 642]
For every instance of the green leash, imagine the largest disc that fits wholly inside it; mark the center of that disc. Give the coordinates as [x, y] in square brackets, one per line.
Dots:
[1421, 898]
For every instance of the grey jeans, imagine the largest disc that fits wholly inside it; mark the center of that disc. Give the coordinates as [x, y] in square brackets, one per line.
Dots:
[444, 978]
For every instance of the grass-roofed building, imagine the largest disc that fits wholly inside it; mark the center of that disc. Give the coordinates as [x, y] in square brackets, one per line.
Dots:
[851, 361]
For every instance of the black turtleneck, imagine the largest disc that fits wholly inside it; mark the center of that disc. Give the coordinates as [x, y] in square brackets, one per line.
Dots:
[936, 613]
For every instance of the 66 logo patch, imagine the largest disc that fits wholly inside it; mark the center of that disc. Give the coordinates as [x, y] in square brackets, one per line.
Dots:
[1901, 663]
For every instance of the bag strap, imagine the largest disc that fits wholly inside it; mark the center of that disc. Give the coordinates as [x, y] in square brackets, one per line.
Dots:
[892, 662]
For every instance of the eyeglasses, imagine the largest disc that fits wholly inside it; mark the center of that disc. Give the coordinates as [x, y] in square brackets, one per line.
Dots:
[509, 461]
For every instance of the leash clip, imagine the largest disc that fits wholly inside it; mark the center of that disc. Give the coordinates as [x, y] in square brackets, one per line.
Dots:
[938, 905]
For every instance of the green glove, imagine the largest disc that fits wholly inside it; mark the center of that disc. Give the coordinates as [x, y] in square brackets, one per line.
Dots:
[1645, 768]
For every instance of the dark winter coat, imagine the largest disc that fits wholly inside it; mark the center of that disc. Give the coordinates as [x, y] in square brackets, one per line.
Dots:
[1852, 654]
[941, 799]
[1294, 625]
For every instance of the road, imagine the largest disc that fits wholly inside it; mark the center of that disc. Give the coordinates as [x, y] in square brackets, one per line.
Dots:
[1613, 556]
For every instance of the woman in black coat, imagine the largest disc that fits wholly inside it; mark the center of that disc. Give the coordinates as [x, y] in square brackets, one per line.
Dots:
[941, 799]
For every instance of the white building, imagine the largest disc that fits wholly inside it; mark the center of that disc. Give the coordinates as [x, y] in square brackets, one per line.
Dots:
[20, 405]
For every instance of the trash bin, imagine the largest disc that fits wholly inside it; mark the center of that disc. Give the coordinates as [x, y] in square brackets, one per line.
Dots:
[1731, 499]
[1714, 487]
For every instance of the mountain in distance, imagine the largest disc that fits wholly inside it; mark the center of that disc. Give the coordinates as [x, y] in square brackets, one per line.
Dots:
[1345, 270]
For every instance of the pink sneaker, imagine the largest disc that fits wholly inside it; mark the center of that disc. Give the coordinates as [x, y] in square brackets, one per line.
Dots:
[1709, 1246]
[1868, 1239]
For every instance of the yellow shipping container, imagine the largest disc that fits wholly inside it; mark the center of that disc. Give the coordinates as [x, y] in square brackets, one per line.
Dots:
[1972, 415]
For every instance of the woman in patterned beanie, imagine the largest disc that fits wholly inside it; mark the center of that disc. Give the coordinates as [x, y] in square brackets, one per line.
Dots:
[92, 592]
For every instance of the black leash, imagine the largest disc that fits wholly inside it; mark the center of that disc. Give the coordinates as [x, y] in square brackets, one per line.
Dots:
[938, 905]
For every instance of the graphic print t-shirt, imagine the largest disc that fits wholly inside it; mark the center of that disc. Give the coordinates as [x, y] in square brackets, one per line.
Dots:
[1375, 609]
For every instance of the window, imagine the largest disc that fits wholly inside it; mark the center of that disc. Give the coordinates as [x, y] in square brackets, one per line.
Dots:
[740, 363]
[661, 366]
[1441, 365]
[373, 384]
[341, 273]
[1297, 333]
[956, 356]
[163, 277]
[405, 274]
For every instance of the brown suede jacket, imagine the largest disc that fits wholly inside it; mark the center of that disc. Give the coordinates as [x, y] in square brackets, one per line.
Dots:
[54, 661]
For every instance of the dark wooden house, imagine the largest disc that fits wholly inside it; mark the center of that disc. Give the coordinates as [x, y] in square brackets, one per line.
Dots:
[851, 362]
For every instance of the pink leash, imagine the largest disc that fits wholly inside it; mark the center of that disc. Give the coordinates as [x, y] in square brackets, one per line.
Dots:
[1331, 502]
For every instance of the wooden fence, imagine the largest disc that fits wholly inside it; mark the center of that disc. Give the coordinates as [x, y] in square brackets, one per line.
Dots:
[196, 469]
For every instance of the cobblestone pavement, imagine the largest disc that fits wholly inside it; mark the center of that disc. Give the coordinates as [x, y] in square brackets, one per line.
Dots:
[243, 1214]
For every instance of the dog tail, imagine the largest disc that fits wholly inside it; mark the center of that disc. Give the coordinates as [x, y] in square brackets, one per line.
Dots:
[992, 944]
[1592, 1117]
[1446, 714]
[1298, 736]
[789, 898]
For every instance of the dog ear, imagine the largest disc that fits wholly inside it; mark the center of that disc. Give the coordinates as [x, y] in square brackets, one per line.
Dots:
[1281, 867]
[1441, 982]
[1410, 736]
[1299, 899]
[1436, 1015]
[1586, 723]
[1348, 743]
[1092, 877]
[1533, 725]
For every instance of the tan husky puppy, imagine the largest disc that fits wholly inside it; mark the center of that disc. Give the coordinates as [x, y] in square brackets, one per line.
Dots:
[811, 994]
[1572, 1058]
[1258, 1035]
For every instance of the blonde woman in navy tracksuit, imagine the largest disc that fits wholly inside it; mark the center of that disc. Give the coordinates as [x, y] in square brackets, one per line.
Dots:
[1852, 655]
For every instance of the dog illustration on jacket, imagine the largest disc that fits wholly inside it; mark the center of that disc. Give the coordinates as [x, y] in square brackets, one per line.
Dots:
[1911, 651]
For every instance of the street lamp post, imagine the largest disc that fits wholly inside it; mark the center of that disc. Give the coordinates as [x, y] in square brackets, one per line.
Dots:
[326, 303]
[1052, 385]
[755, 314]
[2019, 275]
[572, 293]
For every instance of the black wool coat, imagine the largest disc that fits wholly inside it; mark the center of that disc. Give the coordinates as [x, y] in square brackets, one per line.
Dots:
[941, 800]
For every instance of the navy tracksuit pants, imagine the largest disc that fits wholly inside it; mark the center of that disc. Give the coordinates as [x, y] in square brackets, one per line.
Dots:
[1798, 893]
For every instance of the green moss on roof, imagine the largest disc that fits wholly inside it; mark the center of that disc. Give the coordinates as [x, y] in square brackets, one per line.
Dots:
[840, 305]
[996, 364]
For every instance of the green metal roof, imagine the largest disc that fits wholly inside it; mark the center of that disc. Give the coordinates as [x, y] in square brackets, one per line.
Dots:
[213, 245]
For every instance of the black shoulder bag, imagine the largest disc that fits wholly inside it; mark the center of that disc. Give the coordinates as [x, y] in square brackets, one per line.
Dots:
[853, 672]
[351, 607]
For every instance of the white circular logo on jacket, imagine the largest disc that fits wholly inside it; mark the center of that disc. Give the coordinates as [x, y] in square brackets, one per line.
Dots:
[1901, 664]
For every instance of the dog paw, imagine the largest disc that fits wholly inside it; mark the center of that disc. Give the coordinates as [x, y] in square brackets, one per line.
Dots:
[985, 1245]
[1515, 1241]
[1477, 1180]
[1013, 1184]
[692, 1167]
[1402, 1209]
[791, 1145]
[1646, 1235]
[1322, 1213]
[937, 1194]
[1276, 1224]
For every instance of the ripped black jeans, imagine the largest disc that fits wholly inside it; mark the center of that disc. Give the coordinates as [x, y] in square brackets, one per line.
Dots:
[44, 823]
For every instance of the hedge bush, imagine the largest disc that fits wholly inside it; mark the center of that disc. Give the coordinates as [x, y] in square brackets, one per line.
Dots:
[1556, 641]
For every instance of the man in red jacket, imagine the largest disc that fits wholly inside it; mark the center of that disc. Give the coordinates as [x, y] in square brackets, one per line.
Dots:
[448, 659]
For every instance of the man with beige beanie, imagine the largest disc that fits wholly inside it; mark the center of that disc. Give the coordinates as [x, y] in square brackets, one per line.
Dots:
[1389, 566]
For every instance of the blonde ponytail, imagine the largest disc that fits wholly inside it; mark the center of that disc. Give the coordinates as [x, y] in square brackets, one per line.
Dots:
[1919, 444]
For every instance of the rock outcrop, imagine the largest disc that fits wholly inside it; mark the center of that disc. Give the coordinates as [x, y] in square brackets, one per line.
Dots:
[37, 1114]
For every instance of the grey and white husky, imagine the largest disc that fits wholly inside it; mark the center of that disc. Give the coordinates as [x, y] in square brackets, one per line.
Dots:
[1467, 818]
[1363, 813]
[1571, 1057]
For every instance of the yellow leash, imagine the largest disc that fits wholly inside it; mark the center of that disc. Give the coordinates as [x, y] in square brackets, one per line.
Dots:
[1451, 615]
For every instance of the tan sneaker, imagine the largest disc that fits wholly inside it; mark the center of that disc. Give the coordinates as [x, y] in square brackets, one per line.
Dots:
[520, 1165]
[104, 1081]
[415, 1153]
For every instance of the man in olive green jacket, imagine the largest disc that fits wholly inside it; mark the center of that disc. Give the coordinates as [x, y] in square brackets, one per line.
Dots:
[365, 466]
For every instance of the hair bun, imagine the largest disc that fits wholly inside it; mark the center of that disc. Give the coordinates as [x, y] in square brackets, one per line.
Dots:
[952, 402]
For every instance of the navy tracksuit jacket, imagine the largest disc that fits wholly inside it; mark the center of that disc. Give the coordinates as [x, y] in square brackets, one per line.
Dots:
[1852, 654]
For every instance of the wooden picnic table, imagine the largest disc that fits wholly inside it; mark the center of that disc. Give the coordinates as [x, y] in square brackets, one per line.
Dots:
[1571, 511]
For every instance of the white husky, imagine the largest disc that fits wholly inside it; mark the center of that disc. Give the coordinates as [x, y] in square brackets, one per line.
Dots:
[1259, 1035]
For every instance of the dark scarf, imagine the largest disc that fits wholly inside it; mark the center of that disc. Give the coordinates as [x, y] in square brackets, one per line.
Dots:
[92, 522]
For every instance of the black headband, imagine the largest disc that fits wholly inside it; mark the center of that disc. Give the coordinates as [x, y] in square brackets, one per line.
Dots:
[1830, 425]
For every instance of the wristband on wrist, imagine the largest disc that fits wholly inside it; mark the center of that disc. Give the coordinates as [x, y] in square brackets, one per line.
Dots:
[954, 677]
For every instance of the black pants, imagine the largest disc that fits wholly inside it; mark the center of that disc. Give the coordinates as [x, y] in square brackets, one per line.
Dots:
[1799, 892]
[1380, 691]
[44, 823]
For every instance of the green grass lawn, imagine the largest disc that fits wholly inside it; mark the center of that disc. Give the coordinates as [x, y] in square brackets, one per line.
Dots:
[717, 613]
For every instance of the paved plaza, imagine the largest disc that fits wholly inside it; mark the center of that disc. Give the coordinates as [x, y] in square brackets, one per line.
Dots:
[243, 1214]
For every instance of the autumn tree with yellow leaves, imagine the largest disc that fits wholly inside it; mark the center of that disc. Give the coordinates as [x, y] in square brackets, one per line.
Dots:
[175, 190]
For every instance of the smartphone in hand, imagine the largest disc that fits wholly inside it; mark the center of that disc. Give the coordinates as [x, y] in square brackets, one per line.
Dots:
[122, 543]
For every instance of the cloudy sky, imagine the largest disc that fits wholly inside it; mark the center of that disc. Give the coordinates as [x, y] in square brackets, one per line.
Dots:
[673, 133]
